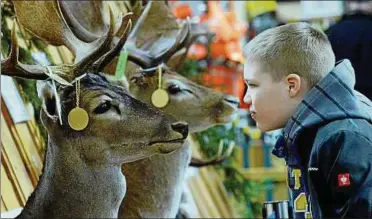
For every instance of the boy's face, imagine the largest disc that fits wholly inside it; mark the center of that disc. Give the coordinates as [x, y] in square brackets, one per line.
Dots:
[269, 102]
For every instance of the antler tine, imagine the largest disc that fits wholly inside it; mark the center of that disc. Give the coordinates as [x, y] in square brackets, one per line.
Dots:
[104, 60]
[144, 58]
[12, 67]
[178, 44]
[105, 40]
[45, 20]
[86, 24]
[123, 28]
[136, 55]
[193, 37]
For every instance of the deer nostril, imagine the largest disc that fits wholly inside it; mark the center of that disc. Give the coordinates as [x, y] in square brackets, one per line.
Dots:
[181, 127]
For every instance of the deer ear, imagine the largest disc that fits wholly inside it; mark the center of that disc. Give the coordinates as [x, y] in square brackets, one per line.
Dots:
[123, 82]
[138, 79]
[46, 94]
[130, 69]
[134, 76]
[176, 61]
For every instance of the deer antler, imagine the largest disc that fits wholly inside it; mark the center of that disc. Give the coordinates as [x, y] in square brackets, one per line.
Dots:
[197, 30]
[218, 159]
[54, 29]
[178, 58]
[104, 54]
[165, 46]
[85, 18]
[12, 67]
[104, 60]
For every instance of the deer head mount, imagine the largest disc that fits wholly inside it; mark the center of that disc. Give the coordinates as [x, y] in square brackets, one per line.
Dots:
[121, 128]
[201, 107]
[159, 177]
[156, 39]
[117, 121]
[53, 19]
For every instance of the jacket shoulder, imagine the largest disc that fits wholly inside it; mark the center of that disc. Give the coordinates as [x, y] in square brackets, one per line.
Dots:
[354, 127]
[342, 157]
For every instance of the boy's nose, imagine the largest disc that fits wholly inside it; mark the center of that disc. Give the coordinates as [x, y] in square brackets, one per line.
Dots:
[247, 100]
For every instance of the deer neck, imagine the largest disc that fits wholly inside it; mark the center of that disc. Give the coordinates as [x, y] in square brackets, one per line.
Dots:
[155, 185]
[69, 187]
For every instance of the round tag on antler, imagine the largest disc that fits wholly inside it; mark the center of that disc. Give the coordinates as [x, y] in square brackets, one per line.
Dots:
[78, 119]
[160, 98]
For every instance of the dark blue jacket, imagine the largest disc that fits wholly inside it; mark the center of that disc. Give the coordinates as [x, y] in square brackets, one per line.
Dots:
[327, 145]
[351, 38]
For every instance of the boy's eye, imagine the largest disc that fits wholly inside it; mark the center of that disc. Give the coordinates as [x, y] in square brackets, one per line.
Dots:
[252, 85]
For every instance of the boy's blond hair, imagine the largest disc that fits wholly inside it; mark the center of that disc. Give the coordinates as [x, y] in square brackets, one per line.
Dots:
[295, 48]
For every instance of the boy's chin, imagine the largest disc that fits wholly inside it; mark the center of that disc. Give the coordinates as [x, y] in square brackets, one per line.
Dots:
[266, 128]
[263, 129]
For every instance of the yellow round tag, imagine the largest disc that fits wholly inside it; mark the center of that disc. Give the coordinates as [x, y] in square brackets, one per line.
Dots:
[160, 98]
[78, 119]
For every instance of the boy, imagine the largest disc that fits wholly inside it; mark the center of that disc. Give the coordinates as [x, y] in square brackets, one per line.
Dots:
[327, 143]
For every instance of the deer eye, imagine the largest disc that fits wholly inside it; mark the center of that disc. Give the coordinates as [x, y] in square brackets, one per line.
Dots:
[104, 107]
[174, 89]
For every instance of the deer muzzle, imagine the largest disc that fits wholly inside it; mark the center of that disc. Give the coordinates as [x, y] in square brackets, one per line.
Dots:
[179, 132]
[181, 127]
[227, 109]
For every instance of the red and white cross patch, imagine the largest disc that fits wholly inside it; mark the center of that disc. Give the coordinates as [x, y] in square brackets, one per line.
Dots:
[343, 179]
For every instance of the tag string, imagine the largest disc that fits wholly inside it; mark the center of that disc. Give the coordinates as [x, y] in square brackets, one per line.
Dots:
[54, 77]
[160, 74]
[57, 102]
[77, 93]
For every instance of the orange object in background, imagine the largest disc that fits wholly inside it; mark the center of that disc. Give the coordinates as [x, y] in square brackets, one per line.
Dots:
[182, 11]
[197, 51]
[230, 50]
[228, 32]
[224, 24]
[226, 80]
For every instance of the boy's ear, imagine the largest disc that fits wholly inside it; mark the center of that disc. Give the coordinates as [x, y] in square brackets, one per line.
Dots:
[293, 82]
[49, 109]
